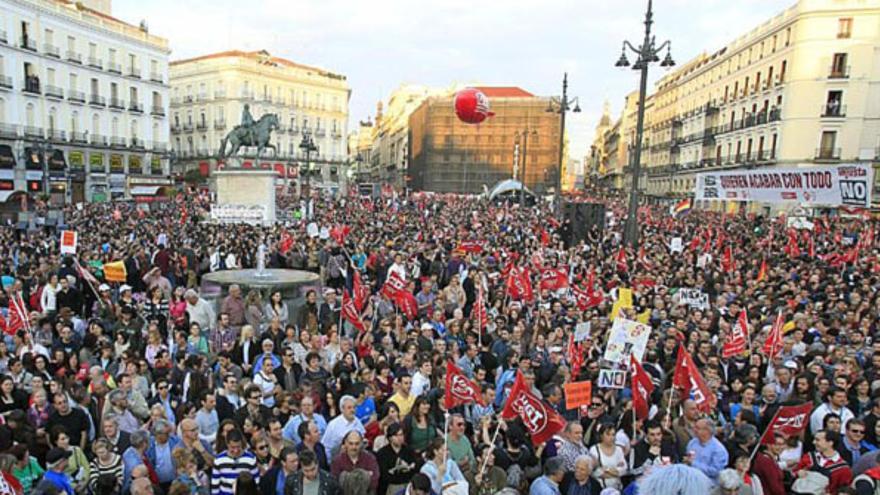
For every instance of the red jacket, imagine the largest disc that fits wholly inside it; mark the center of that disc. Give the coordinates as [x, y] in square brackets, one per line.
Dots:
[765, 468]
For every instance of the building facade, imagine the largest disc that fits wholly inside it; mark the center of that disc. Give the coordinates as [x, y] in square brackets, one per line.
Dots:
[83, 103]
[520, 140]
[801, 88]
[210, 92]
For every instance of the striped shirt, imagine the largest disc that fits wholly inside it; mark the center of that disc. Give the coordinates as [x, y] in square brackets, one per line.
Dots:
[114, 469]
[226, 470]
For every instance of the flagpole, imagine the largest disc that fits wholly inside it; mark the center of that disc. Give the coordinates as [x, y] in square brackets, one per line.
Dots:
[95, 292]
[491, 446]
[761, 438]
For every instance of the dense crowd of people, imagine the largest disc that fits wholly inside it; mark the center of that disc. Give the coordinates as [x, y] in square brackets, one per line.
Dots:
[155, 384]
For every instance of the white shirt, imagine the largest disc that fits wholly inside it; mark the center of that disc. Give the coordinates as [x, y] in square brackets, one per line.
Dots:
[420, 384]
[825, 409]
[266, 385]
[336, 431]
[47, 298]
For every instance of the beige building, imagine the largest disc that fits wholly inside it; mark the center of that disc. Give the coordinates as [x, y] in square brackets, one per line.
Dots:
[800, 89]
[611, 151]
[209, 93]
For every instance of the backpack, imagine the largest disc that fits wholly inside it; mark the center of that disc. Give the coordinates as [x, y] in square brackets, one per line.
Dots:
[817, 479]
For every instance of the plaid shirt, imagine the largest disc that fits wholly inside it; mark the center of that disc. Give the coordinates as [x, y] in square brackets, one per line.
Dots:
[221, 337]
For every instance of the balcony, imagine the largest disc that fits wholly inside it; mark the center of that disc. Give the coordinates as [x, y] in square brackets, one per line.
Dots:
[158, 110]
[219, 95]
[320, 132]
[76, 96]
[96, 63]
[160, 147]
[293, 130]
[31, 85]
[187, 127]
[336, 134]
[3, 38]
[156, 77]
[133, 72]
[827, 154]
[8, 130]
[219, 125]
[97, 100]
[175, 128]
[135, 107]
[247, 95]
[56, 135]
[838, 72]
[97, 140]
[54, 92]
[5, 82]
[202, 126]
[33, 132]
[202, 97]
[114, 67]
[833, 109]
[117, 103]
[136, 143]
[188, 99]
[775, 114]
[117, 142]
[78, 137]
[74, 57]
[28, 43]
[51, 50]
[267, 98]
[203, 153]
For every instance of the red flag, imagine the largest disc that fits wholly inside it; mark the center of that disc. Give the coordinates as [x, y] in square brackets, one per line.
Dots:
[183, 217]
[643, 259]
[642, 387]
[479, 311]
[586, 299]
[792, 249]
[470, 247]
[788, 420]
[286, 242]
[339, 233]
[350, 312]
[554, 279]
[688, 378]
[545, 238]
[361, 291]
[762, 272]
[773, 344]
[459, 389]
[738, 340]
[541, 421]
[727, 263]
[18, 315]
[394, 285]
[575, 357]
[621, 260]
[85, 274]
[811, 246]
[407, 304]
[519, 285]
[695, 242]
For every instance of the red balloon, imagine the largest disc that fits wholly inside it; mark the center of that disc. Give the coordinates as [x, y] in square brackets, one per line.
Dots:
[472, 106]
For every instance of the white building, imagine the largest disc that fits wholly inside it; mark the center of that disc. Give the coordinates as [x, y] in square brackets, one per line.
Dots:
[91, 89]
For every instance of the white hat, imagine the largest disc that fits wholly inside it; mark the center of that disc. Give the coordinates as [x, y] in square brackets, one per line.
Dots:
[103, 287]
[124, 288]
[329, 291]
[427, 326]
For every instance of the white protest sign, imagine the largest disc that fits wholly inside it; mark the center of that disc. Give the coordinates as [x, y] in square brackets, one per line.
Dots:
[627, 338]
[162, 239]
[325, 233]
[612, 379]
[312, 229]
[676, 246]
[582, 331]
[695, 298]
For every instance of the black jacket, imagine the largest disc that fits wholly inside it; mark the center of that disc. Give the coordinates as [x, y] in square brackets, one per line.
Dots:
[328, 485]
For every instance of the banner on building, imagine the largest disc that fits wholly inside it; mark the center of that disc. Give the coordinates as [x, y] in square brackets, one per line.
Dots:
[117, 163]
[96, 162]
[839, 185]
[233, 213]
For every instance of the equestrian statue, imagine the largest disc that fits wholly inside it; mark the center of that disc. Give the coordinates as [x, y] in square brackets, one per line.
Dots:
[251, 133]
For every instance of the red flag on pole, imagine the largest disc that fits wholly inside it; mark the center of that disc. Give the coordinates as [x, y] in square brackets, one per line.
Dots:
[18, 315]
[738, 340]
[519, 285]
[773, 344]
[585, 299]
[788, 420]
[394, 285]
[727, 263]
[554, 279]
[286, 242]
[459, 389]
[361, 291]
[541, 421]
[407, 304]
[350, 312]
[339, 233]
[575, 357]
[762, 272]
[688, 378]
[811, 246]
[642, 387]
[621, 260]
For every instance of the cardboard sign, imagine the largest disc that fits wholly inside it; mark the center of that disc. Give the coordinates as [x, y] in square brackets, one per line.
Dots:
[68, 241]
[115, 272]
[695, 298]
[612, 378]
[676, 246]
[582, 331]
[578, 394]
[627, 338]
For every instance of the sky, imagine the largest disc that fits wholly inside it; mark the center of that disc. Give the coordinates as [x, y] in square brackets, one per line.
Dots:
[381, 44]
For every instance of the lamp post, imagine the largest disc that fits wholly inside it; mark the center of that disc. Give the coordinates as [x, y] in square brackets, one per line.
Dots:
[647, 53]
[307, 144]
[561, 106]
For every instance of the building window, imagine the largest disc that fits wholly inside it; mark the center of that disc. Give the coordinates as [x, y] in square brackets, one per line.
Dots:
[844, 27]
[782, 71]
[834, 104]
[838, 65]
[826, 146]
[787, 36]
[773, 146]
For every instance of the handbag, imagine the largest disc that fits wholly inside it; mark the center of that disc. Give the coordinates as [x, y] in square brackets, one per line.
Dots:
[814, 483]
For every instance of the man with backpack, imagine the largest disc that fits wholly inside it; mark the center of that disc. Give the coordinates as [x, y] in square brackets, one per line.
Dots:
[824, 470]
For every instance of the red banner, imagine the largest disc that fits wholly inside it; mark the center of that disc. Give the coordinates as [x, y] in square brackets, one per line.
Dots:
[459, 389]
[773, 344]
[394, 285]
[540, 420]
[738, 341]
[642, 387]
[350, 312]
[789, 421]
[688, 378]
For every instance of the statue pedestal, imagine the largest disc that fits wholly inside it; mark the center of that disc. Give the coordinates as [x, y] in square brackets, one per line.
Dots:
[245, 196]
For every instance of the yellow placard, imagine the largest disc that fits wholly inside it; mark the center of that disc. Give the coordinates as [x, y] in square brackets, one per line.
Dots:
[115, 272]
